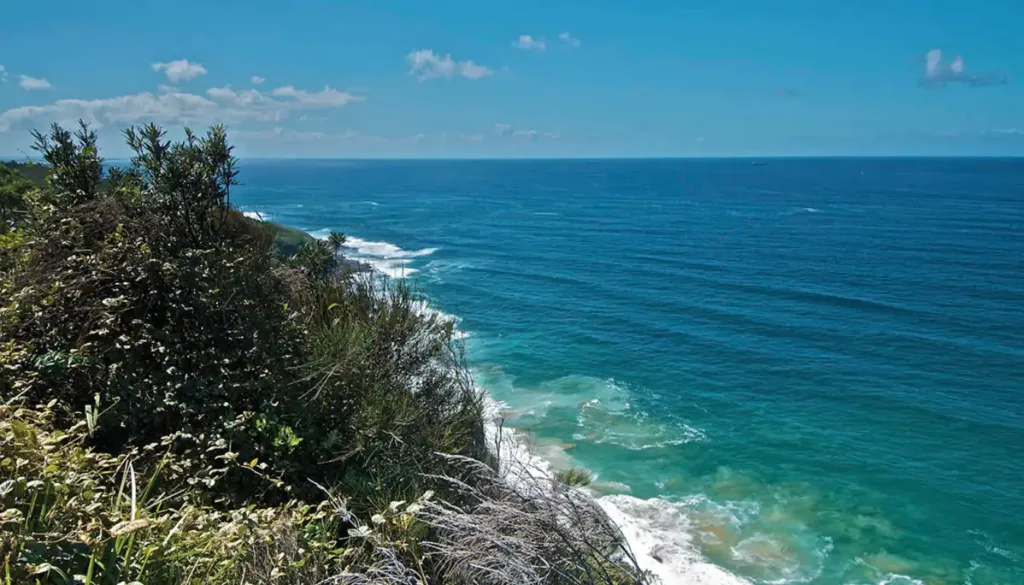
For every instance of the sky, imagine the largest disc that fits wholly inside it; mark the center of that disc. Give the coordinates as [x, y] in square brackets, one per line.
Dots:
[529, 79]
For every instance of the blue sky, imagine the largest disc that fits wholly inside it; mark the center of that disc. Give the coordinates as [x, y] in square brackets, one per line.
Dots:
[526, 79]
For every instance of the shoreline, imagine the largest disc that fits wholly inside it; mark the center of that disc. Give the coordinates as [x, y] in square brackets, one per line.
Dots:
[665, 551]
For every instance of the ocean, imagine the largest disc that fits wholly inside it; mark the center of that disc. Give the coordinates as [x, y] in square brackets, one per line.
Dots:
[806, 371]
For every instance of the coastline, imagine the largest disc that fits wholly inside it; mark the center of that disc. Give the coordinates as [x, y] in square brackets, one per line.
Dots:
[728, 374]
[657, 531]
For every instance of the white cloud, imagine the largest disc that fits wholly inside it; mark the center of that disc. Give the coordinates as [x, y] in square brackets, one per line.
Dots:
[426, 64]
[257, 80]
[220, 104]
[529, 43]
[325, 98]
[180, 70]
[281, 135]
[569, 40]
[957, 66]
[163, 88]
[938, 73]
[32, 83]
[244, 98]
[471, 137]
[3, 74]
[507, 130]
[1007, 132]
[128, 109]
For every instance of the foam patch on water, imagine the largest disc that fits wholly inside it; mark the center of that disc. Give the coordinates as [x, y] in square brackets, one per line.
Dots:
[384, 257]
[384, 250]
[257, 215]
[660, 535]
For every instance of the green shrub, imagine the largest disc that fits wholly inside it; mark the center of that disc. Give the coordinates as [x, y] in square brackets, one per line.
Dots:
[574, 477]
[181, 404]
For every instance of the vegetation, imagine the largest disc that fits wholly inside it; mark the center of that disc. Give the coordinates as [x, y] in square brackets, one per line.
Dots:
[181, 404]
[289, 239]
[575, 477]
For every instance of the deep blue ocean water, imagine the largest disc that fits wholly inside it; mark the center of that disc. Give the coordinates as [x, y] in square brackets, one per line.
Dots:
[803, 371]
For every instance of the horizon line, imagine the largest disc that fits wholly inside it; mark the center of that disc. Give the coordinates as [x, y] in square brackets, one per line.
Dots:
[775, 157]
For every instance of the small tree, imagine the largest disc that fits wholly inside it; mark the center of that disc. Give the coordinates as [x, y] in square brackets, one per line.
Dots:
[317, 259]
[190, 181]
[337, 240]
[76, 169]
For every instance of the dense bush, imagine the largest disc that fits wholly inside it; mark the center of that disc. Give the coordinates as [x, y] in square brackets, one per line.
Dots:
[180, 404]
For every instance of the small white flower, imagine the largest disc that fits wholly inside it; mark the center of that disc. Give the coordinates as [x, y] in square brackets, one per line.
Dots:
[378, 519]
[361, 532]
[396, 505]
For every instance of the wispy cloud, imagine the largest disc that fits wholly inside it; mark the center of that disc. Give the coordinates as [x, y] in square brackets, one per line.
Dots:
[325, 98]
[528, 43]
[244, 98]
[33, 83]
[507, 130]
[938, 73]
[257, 80]
[426, 64]
[220, 104]
[3, 74]
[163, 88]
[180, 70]
[569, 40]
[281, 135]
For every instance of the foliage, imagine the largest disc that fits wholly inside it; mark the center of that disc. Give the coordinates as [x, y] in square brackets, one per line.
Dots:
[72, 514]
[288, 240]
[13, 188]
[180, 404]
[574, 477]
[32, 172]
[75, 164]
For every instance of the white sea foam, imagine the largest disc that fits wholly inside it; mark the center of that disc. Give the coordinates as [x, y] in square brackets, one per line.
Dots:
[384, 257]
[384, 250]
[894, 579]
[257, 215]
[660, 535]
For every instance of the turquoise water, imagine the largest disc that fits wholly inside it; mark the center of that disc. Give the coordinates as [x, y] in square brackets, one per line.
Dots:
[808, 371]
